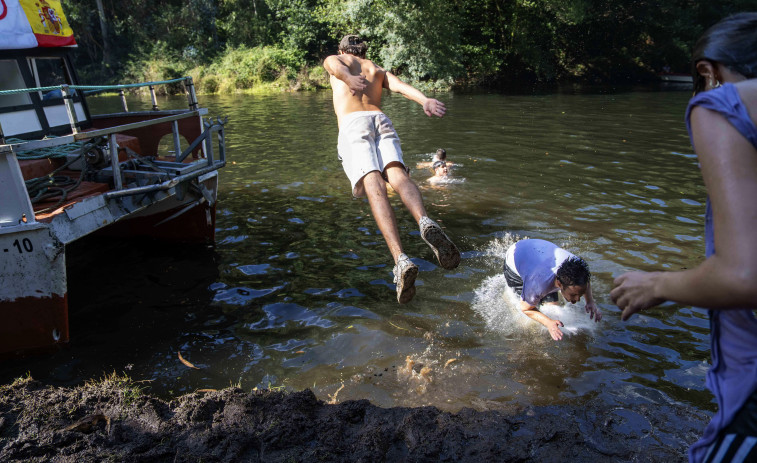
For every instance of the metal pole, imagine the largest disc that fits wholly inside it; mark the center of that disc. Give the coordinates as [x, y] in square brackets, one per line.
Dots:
[203, 127]
[68, 99]
[114, 162]
[154, 100]
[176, 140]
[2, 135]
[209, 146]
[189, 87]
[123, 101]
[163, 186]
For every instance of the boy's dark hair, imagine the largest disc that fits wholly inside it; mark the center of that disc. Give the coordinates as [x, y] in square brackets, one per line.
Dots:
[354, 45]
[574, 272]
[441, 154]
[731, 42]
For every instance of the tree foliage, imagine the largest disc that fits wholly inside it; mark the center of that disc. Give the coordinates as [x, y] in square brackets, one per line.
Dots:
[476, 42]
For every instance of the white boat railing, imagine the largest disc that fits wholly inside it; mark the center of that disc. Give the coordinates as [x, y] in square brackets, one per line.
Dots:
[175, 172]
[68, 96]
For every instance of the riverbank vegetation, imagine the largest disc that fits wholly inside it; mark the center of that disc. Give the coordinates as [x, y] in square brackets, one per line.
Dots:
[263, 45]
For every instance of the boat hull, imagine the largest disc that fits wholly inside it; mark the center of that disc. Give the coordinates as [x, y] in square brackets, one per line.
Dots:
[33, 325]
[33, 296]
[175, 221]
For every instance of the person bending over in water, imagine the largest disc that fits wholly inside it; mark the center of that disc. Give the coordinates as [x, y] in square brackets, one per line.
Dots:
[536, 269]
[369, 149]
[722, 123]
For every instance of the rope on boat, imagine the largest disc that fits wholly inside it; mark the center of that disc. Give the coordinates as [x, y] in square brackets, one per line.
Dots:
[51, 185]
[90, 87]
[52, 152]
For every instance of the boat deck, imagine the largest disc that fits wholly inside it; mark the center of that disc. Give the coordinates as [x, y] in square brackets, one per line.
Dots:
[35, 168]
[42, 212]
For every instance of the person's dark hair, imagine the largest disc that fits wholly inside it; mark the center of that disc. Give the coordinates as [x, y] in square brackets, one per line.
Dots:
[354, 45]
[731, 42]
[441, 154]
[574, 272]
[438, 164]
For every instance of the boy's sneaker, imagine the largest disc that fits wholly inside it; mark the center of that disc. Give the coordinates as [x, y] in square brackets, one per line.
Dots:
[445, 250]
[405, 273]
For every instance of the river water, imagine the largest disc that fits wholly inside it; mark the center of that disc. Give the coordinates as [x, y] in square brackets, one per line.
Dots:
[298, 293]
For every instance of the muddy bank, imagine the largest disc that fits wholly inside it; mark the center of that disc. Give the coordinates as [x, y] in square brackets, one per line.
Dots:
[112, 420]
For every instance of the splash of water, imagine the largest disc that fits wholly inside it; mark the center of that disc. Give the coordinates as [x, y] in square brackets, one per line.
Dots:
[446, 180]
[498, 305]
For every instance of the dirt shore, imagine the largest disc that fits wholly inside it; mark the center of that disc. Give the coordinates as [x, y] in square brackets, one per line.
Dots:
[113, 420]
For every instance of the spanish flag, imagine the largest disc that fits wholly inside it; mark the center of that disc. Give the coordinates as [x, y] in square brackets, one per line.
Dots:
[33, 23]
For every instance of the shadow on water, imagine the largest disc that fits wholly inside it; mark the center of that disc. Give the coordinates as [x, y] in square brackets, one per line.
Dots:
[129, 301]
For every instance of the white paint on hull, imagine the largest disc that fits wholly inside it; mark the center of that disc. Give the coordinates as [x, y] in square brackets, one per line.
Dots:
[32, 263]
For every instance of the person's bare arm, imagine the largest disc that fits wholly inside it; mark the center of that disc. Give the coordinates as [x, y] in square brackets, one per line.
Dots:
[431, 106]
[534, 314]
[341, 71]
[726, 279]
[591, 305]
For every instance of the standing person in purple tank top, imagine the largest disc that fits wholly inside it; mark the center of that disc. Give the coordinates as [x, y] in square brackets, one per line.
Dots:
[722, 123]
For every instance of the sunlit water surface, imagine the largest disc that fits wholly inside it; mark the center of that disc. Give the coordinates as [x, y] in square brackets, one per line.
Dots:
[298, 292]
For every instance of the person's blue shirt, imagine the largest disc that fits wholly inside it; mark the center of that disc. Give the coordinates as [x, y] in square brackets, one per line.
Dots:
[536, 262]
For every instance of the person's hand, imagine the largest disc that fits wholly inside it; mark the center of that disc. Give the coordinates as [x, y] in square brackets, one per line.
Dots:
[554, 329]
[593, 311]
[433, 107]
[633, 292]
[356, 83]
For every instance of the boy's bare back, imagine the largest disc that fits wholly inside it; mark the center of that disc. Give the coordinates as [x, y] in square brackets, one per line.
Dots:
[348, 100]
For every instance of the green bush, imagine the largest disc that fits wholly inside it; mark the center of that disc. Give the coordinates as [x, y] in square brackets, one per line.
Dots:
[244, 68]
[210, 84]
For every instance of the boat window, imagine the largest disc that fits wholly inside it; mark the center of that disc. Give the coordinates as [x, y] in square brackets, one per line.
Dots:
[11, 79]
[49, 72]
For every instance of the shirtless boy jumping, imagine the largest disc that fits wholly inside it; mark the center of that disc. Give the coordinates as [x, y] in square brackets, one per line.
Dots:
[369, 149]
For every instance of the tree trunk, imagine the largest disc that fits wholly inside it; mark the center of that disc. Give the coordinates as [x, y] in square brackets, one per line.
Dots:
[104, 33]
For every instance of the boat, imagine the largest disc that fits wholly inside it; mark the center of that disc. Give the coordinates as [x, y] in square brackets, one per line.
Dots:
[675, 78]
[67, 174]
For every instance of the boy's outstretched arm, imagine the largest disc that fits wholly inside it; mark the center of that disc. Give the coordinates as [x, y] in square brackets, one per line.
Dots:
[431, 106]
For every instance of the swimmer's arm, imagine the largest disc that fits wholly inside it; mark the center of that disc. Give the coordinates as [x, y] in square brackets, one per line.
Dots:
[591, 305]
[338, 69]
[431, 106]
[534, 314]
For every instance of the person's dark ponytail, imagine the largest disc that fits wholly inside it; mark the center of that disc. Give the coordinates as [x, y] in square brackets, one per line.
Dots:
[731, 42]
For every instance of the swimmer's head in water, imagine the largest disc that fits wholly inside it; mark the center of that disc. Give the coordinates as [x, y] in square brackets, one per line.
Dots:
[441, 155]
[573, 278]
[440, 168]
